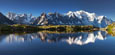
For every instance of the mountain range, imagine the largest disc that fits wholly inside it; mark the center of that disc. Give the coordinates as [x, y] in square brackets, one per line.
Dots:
[71, 18]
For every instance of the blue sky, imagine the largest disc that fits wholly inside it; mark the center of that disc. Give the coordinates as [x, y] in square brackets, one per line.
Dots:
[36, 7]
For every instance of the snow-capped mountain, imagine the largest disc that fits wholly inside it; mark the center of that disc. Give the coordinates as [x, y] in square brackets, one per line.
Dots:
[21, 18]
[90, 18]
[5, 20]
[73, 18]
[42, 20]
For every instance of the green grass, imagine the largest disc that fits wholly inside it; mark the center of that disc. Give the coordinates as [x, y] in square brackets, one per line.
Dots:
[17, 28]
[111, 29]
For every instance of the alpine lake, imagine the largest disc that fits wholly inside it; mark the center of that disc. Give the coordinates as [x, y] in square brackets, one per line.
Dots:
[56, 40]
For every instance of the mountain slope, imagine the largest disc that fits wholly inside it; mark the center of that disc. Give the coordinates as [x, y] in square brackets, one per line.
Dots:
[5, 20]
[42, 20]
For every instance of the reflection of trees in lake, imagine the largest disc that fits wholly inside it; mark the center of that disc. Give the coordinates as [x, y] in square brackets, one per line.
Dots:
[80, 38]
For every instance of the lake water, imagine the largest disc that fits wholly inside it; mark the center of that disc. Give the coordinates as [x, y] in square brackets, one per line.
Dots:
[81, 43]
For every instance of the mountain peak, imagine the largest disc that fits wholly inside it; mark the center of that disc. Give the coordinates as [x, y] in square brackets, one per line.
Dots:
[82, 14]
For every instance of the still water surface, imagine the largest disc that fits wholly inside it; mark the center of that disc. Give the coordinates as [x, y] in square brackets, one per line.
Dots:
[81, 43]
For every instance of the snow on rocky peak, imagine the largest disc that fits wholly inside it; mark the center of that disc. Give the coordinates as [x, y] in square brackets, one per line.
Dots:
[90, 18]
[80, 14]
[100, 18]
[20, 18]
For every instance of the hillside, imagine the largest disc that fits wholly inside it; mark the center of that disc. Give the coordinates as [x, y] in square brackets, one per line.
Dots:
[111, 29]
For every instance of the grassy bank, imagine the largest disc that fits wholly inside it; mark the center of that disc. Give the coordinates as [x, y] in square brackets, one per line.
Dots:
[67, 28]
[17, 28]
[6, 29]
[111, 29]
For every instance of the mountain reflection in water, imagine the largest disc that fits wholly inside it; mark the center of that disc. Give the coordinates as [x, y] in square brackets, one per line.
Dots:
[79, 38]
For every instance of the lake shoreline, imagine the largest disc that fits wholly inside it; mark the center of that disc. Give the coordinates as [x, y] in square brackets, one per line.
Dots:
[17, 28]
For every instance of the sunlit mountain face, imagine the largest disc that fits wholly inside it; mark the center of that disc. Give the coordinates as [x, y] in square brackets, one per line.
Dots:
[80, 38]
